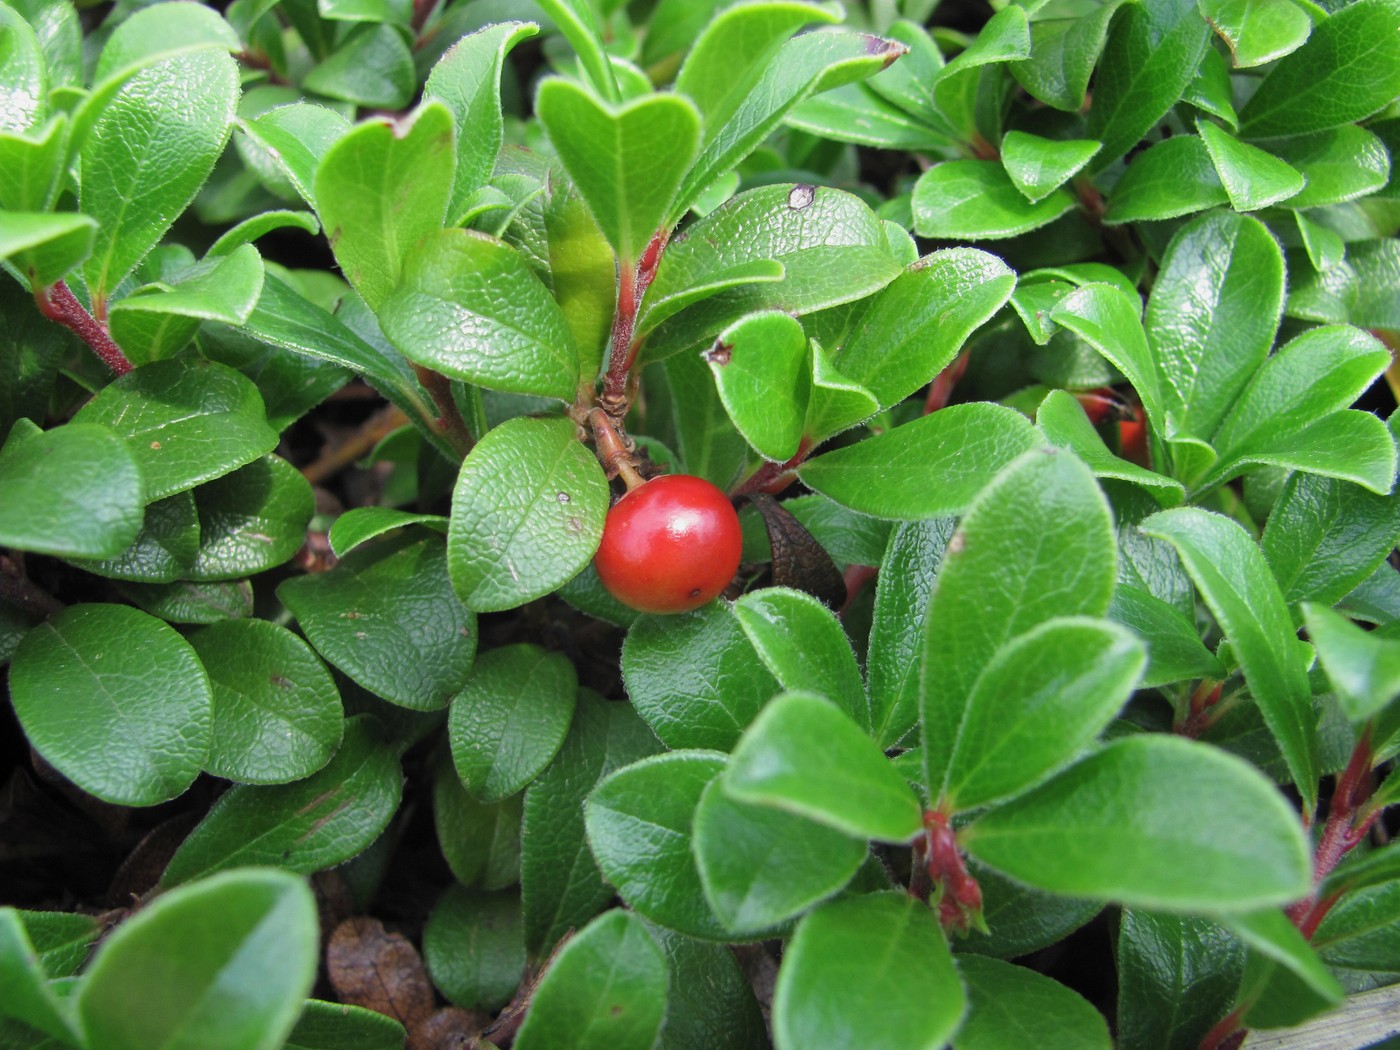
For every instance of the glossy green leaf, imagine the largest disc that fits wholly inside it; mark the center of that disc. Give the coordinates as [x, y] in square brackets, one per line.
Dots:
[185, 420]
[471, 308]
[361, 524]
[695, 678]
[560, 883]
[1064, 51]
[1010, 1005]
[234, 958]
[277, 713]
[296, 137]
[387, 617]
[1257, 31]
[1175, 651]
[805, 756]
[115, 700]
[976, 200]
[160, 29]
[1253, 178]
[185, 602]
[146, 155]
[251, 520]
[1151, 56]
[872, 970]
[1153, 821]
[1169, 178]
[577, 21]
[526, 513]
[479, 841]
[1212, 91]
[1324, 537]
[710, 1001]
[380, 189]
[338, 1026]
[1363, 666]
[1348, 69]
[605, 990]
[1038, 166]
[44, 246]
[467, 80]
[627, 161]
[31, 166]
[887, 475]
[28, 996]
[474, 947]
[1362, 289]
[1235, 581]
[855, 113]
[916, 325]
[73, 491]
[759, 364]
[1176, 978]
[372, 67]
[1040, 700]
[639, 828]
[1063, 421]
[157, 321]
[1325, 248]
[1277, 945]
[1340, 164]
[961, 88]
[314, 823]
[803, 644]
[510, 718]
[761, 866]
[1035, 545]
[24, 83]
[61, 940]
[1212, 316]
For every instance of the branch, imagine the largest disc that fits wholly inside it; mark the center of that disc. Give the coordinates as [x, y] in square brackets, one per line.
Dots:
[58, 303]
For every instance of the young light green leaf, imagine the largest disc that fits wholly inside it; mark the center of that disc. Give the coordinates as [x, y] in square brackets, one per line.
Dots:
[1041, 699]
[1348, 69]
[1011, 1005]
[760, 866]
[1235, 581]
[45, 246]
[1175, 651]
[1061, 418]
[387, 616]
[695, 678]
[73, 491]
[234, 957]
[627, 161]
[31, 167]
[1064, 51]
[277, 712]
[759, 365]
[1357, 934]
[976, 200]
[605, 990]
[803, 644]
[474, 948]
[560, 884]
[1176, 978]
[855, 113]
[639, 828]
[1038, 166]
[1257, 31]
[886, 476]
[24, 83]
[28, 996]
[296, 137]
[509, 719]
[1363, 666]
[526, 513]
[115, 700]
[1153, 821]
[467, 80]
[1036, 544]
[1169, 178]
[1253, 178]
[305, 826]
[1271, 936]
[576, 20]
[146, 155]
[470, 307]
[61, 940]
[185, 420]
[380, 189]
[161, 29]
[872, 970]
[804, 755]
[957, 109]
[371, 66]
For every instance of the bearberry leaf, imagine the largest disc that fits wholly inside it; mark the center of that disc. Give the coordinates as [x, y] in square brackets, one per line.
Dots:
[1253, 178]
[1063, 421]
[234, 956]
[185, 420]
[1063, 54]
[277, 713]
[605, 990]
[338, 1026]
[1008, 1004]
[1363, 666]
[886, 476]
[72, 491]
[296, 137]
[24, 85]
[1170, 178]
[639, 823]
[1176, 651]
[311, 824]
[1257, 31]
[45, 246]
[710, 1002]
[480, 841]
[576, 20]
[361, 524]
[1234, 579]
[1038, 166]
[474, 947]
[1177, 976]
[251, 520]
[387, 617]
[526, 513]
[28, 996]
[976, 200]
[509, 719]
[116, 701]
[1172, 825]
[760, 369]
[371, 66]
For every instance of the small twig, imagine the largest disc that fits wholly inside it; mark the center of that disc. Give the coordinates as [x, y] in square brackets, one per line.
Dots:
[449, 422]
[17, 589]
[941, 389]
[618, 456]
[58, 303]
[632, 284]
[337, 457]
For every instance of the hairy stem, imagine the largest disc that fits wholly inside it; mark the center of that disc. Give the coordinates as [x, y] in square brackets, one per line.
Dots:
[772, 478]
[448, 421]
[58, 303]
[632, 283]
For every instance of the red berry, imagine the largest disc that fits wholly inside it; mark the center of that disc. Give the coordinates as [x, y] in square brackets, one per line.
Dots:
[669, 545]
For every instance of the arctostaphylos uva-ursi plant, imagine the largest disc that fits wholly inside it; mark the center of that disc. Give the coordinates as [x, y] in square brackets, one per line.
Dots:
[698, 525]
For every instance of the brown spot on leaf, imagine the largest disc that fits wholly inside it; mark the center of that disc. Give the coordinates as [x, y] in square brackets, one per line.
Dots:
[155, 444]
[280, 682]
[719, 354]
[801, 196]
[889, 50]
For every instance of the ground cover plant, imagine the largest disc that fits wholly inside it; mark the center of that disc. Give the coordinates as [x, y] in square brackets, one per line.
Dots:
[1044, 690]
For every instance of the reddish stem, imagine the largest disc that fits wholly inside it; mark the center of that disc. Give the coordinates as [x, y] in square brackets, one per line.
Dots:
[1227, 1034]
[1199, 717]
[941, 389]
[58, 303]
[1340, 834]
[614, 452]
[856, 577]
[632, 283]
[448, 422]
[772, 478]
[960, 900]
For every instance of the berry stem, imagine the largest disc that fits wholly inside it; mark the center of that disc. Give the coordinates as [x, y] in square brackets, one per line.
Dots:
[58, 303]
[617, 457]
